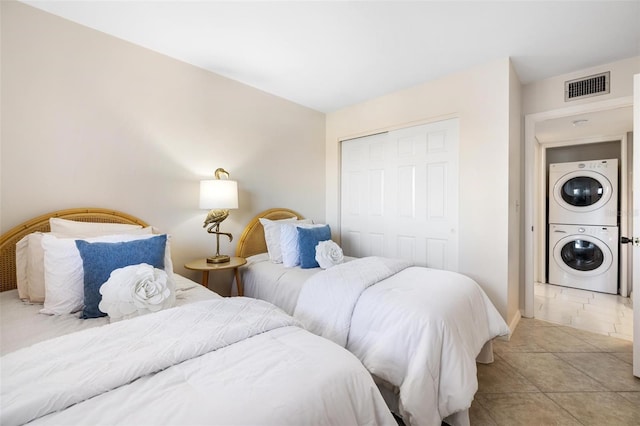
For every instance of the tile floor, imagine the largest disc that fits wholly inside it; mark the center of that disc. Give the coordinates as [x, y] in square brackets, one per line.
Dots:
[587, 310]
[550, 374]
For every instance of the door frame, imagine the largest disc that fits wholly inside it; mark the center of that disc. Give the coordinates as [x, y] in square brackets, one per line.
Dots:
[535, 188]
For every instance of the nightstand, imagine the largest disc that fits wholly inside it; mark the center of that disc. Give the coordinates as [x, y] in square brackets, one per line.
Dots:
[202, 265]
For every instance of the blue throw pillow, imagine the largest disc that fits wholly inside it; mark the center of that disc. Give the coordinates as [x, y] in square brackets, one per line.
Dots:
[308, 239]
[100, 259]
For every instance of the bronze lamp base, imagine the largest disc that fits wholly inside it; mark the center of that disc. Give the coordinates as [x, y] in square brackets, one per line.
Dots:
[221, 258]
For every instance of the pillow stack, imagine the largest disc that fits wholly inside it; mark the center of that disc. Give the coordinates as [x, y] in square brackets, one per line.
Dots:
[293, 242]
[65, 268]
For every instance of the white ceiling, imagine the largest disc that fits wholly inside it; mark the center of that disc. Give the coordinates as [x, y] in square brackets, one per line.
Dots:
[330, 54]
[601, 124]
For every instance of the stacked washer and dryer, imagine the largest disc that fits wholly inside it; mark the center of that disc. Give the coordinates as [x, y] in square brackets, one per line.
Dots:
[583, 225]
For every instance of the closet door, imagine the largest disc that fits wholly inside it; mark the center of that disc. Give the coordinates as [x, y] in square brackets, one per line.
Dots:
[399, 195]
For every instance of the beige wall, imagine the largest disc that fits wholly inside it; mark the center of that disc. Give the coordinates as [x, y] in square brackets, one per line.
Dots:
[480, 98]
[548, 95]
[91, 120]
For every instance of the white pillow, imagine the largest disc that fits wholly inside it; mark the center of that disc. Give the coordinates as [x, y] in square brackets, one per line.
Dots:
[64, 273]
[289, 242]
[74, 228]
[30, 259]
[35, 270]
[22, 262]
[272, 235]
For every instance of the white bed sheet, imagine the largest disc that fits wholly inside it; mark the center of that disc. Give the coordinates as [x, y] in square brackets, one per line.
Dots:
[22, 325]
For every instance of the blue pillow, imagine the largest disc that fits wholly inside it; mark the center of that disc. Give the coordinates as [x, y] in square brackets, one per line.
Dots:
[308, 239]
[100, 259]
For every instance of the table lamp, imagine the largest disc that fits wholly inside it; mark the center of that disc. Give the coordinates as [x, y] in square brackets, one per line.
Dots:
[218, 196]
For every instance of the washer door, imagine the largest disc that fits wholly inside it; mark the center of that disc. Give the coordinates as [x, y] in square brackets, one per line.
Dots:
[582, 191]
[582, 255]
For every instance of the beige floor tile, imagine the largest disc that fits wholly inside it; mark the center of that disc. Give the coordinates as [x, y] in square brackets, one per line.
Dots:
[633, 397]
[479, 416]
[605, 368]
[604, 343]
[625, 356]
[557, 340]
[550, 373]
[500, 377]
[598, 408]
[519, 342]
[525, 409]
[576, 366]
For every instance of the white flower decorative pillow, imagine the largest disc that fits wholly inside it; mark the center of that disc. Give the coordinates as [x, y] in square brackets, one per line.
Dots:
[328, 254]
[136, 290]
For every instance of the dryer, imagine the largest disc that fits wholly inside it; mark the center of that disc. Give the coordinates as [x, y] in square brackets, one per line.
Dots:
[584, 257]
[584, 192]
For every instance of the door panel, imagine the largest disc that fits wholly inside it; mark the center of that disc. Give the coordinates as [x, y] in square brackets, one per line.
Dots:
[635, 274]
[400, 195]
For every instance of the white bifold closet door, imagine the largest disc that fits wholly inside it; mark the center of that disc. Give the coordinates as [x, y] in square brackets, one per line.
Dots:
[399, 195]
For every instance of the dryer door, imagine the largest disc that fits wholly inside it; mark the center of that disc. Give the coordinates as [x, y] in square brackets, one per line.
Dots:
[583, 255]
[582, 191]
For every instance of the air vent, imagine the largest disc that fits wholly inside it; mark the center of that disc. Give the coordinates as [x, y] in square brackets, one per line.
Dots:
[593, 85]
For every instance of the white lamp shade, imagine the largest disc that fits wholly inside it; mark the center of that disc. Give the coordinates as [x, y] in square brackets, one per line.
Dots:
[218, 194]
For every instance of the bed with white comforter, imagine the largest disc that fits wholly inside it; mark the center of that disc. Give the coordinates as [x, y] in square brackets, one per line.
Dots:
[216, 361]
[161, 349]
[417, 330]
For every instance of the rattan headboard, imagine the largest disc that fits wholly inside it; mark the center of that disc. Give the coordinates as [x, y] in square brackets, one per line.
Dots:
[41, 224]
[252, 239]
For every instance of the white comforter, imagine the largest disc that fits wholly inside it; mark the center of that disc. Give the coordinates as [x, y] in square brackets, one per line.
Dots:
[174, 367]
[417, 329]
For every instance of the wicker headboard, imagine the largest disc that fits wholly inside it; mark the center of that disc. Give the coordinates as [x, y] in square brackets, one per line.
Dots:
[41, 223]
[252, 238]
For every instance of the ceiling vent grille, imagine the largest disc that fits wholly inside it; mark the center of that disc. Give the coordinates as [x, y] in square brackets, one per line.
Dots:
[593, 85]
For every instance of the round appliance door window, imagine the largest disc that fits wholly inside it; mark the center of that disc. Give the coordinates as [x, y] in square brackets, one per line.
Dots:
[582, 255]
[582, 191]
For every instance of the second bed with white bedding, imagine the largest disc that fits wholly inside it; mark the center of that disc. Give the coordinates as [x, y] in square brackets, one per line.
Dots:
[418, 330]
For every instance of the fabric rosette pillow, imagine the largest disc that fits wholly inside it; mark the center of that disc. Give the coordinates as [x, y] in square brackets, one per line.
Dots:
[136, 290]
[328, 254]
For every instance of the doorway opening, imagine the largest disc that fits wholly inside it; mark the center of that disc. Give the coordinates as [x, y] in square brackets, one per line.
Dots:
[556, 136]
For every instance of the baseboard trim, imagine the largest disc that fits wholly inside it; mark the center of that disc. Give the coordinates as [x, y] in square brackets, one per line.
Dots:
[512, 325]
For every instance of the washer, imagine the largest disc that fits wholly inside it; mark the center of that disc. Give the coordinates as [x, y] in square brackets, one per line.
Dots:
[584, 193]
[584, 257]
